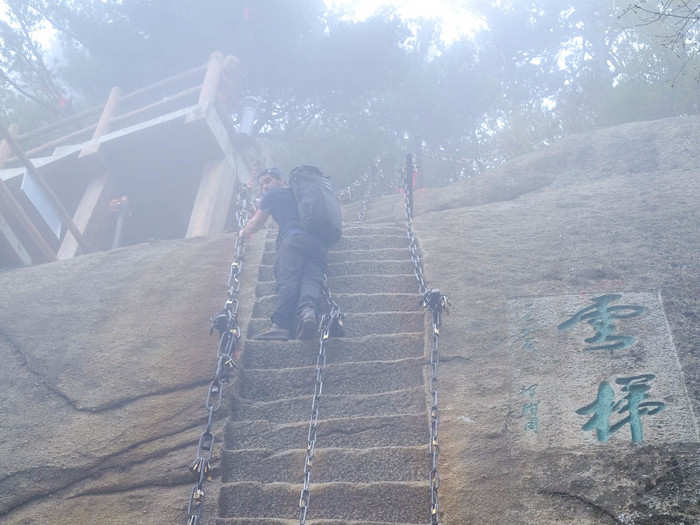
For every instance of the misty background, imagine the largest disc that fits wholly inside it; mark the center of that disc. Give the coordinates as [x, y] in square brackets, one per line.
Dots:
[466, 85]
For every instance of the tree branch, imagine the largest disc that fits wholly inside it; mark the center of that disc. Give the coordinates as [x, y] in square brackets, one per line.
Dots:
[5, 77]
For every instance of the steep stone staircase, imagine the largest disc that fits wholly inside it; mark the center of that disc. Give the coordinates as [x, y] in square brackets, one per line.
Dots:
[372, 457]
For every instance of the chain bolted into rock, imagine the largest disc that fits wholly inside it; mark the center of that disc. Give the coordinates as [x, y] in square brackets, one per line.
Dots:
[226, 323]
[434, 301]
[331, 324]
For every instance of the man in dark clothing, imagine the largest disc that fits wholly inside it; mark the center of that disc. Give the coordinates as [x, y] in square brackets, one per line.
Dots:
[300, 265]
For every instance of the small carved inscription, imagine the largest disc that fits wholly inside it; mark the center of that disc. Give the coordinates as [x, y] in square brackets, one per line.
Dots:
[529, 409]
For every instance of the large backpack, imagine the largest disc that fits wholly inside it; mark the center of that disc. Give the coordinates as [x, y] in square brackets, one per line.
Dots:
[318, 207]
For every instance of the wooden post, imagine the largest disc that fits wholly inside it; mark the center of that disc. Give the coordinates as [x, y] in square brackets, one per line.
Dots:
[5, 148]
[14, 208]
[95, 188]
[212, 79]
[67, 219]
[103, 124]
[211, 204]
[83, 214]
[229, 86]
[14, 241]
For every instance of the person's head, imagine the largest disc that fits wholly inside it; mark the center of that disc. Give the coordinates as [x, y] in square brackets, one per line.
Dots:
[270, 178]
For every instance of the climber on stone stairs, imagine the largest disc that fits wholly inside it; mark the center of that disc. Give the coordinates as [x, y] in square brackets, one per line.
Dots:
[300, 264]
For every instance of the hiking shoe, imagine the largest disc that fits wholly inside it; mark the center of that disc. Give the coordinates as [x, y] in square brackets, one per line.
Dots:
[276, 333]
[307, 326]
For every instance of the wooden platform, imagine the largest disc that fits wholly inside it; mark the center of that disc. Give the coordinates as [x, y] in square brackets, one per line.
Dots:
[178, 161]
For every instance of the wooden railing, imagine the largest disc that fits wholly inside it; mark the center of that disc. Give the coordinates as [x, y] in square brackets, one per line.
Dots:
[200, 85]
[203, 87]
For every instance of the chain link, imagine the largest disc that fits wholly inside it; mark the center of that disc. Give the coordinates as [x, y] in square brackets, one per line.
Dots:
[436, 303]
[347, 194]
[374, 182]
[226, 323]
[331, 325]
[370, 180]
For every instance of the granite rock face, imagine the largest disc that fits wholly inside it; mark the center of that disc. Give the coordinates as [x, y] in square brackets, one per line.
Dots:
[610, 213]
[106, 358]
[106, 361]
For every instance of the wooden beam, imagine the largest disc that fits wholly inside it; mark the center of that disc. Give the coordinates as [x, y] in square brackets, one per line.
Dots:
[15, 209]
[5, 148]
[58, 142]
[5, 152]
[83, 214]
[95, 188]
[164, 82]
[211, 205]
[77, 117]
[212, 78]
[14, 242]
[67, 219]
[103, 124]
[164, 101]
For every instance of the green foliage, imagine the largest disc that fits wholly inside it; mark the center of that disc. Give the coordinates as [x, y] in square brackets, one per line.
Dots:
[24, 75]
[338, 93]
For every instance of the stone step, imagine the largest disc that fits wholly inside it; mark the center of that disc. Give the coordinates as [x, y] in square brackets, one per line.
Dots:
[357, 325]
[331, 464]
[274, 521]
[402, 283]
[369, 377]
[384, 501]
[360, 242]
[354, 432]
[375, 347]
[357, 229]
[267, 271]
[405, 401]
[354, 303]
[374, 229]
[268, 257]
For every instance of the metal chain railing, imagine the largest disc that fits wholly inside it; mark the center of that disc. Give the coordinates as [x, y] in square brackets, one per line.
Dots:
[436, 303]
[374, 182]
[226, 323]
[331, 324]
[369, 182]
[348, 192]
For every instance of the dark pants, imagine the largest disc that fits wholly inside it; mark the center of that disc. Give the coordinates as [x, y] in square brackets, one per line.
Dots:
[299, 270]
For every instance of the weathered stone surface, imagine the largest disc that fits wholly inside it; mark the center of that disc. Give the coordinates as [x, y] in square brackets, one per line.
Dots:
[356, 432]
[405, 401]
[358, 325]
[106, 359]
[402, 283]
[267, 272]
[373, 347]
[343, 465]
[394, 502]
[610, 212]
[106, 362]
[355, 303]
[343, 378]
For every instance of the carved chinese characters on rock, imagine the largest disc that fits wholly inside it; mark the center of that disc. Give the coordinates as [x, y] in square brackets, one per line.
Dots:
[634, 405]
[609, 415]
[597, 370]
[600, 316]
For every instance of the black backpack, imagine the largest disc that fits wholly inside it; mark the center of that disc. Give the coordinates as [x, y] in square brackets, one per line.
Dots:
[318, 207]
